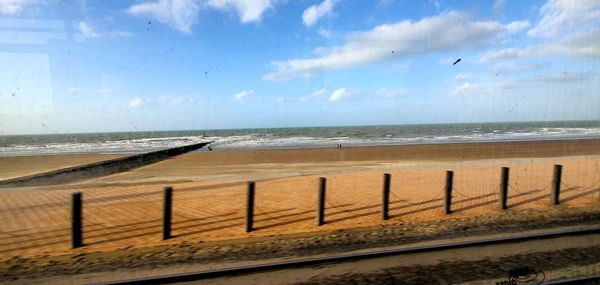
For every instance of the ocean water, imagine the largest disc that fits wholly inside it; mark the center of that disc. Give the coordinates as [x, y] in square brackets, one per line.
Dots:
[135, 142]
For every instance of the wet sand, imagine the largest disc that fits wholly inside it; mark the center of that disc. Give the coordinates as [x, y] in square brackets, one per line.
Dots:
[123, 211]
[12, 167]
[227, 163]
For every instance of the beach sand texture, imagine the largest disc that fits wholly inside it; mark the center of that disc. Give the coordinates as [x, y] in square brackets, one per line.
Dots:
[209, 195]
[12, 167]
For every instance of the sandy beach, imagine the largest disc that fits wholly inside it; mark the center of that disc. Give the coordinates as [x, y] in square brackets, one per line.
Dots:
[124, 210]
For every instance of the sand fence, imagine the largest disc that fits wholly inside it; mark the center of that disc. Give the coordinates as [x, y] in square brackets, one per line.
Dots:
[106, 218]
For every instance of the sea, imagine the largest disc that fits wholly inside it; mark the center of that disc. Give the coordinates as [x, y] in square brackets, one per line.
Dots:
[305, 137]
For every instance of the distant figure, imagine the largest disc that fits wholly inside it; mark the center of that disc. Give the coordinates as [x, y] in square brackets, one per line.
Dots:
[209, 148]
[457, 61]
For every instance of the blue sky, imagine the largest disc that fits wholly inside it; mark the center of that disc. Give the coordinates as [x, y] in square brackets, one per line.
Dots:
[108, 65]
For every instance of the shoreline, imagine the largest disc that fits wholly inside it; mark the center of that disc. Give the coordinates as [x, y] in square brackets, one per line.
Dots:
[299, 160]
[324, 146]
[413, 152]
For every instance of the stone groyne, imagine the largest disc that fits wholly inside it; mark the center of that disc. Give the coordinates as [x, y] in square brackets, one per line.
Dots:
[98, 169]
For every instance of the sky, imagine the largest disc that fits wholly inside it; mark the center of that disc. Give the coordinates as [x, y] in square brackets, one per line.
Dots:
[143, 65]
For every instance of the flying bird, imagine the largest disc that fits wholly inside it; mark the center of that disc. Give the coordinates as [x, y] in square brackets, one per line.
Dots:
[457, 61]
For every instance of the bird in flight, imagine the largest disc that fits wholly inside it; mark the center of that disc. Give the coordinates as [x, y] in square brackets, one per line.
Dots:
[457, 61]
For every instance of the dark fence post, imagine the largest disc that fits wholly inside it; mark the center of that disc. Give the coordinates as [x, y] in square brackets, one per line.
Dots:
[503, 188]
[385, 199]
[250, 207]
[167, 205]
[76, 235]
[448, 193]
[555, 191]
[321, 201]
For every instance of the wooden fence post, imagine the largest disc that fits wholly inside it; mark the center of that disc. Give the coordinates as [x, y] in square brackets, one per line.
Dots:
[448, 193]
[385, 197]
[555, 191]
[250, 207]
[76, 217]
[321, 201]
[503, 188]
[167, 210]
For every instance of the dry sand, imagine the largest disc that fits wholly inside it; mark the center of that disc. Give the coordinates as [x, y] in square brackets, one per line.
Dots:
[124, 210]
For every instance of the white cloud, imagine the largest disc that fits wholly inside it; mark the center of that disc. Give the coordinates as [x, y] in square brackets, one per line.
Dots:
[516, 26]
[579, 44]
[180, 14]
[552, 81]
[436, 3]
[13, 7]
[561, 78]
[342, 94]
[136, 102]
[391, 93]
[567, 28]
[503, 54]
[582, 44]
[242, 94]
[451, 31]
[560, 16]
[247, 10]
[163, 100]
[169, 99]
[312, 14]
[324, 33]
[183, 14]
[498, 6]
[86, 30]
[317, 95]
[175, 100]
[104, 90]
[462, 77]
[280, 100]
[514, 67]
[464, 89]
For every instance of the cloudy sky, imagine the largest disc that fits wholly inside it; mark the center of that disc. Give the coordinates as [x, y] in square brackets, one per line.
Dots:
[115, 65]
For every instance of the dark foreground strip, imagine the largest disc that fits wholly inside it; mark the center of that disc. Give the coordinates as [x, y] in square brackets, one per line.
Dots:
[98, 169]
[577, 280]
[192, 276]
